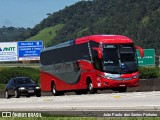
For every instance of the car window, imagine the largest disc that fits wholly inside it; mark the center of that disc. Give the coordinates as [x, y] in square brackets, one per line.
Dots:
[10, 82]
[24, 81]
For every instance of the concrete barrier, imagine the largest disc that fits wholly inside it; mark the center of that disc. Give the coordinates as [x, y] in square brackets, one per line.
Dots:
[146, 85]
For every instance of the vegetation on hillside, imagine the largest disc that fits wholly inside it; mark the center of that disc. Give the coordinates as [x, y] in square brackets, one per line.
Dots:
[47, 34]
[8, 34]
[137, 19]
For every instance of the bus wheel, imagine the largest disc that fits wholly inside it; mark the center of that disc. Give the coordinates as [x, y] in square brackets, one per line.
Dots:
[54, 91]
[124, 89]
[90, 88]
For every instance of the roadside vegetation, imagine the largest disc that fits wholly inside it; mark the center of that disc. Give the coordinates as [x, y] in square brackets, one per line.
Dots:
[7, 73]
[149, 72]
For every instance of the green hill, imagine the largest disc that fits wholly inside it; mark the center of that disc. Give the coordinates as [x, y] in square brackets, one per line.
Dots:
[47, 34]
[137, 19]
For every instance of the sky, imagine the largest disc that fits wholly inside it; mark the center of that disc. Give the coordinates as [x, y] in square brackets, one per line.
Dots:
[28, 13]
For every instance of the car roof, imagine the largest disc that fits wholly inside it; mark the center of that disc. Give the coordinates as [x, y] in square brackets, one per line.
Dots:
[20, 77]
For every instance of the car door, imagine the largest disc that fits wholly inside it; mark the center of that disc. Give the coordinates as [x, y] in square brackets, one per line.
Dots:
[8, 86]
[12, 87]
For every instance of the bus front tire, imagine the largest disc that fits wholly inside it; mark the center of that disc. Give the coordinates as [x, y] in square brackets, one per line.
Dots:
[123, 89]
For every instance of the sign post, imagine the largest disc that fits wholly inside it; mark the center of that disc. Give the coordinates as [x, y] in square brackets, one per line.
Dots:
[29, 50]
[148, 59]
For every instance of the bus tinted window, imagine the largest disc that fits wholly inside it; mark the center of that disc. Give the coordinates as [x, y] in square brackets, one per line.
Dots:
[65, 54]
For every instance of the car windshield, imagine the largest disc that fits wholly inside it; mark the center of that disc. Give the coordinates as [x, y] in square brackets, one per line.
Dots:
[119, 58]
[24, 81]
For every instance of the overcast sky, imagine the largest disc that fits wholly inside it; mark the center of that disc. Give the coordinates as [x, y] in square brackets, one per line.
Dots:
[28, 13]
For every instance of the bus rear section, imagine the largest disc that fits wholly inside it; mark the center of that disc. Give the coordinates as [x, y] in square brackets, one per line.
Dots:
[90, 63]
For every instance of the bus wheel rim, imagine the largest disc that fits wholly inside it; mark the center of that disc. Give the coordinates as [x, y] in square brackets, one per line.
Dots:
[90, 86]
[53, 90]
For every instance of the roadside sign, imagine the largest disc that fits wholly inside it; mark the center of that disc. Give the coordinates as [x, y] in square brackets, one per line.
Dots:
[8, 51]
[29, 50]
[148, 59]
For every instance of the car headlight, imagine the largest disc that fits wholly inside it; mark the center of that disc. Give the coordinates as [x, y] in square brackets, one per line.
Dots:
[37, 87]
[21, 88]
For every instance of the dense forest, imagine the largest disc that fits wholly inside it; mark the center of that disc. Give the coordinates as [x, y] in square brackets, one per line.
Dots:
[12, 34]
[137, 19]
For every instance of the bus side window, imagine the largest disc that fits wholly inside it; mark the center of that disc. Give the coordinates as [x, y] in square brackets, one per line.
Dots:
[97, 63]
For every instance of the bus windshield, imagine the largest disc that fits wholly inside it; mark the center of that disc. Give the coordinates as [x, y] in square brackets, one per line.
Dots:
[119, 59]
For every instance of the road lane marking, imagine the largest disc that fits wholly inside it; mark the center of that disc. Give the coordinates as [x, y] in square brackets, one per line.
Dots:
[116, 96]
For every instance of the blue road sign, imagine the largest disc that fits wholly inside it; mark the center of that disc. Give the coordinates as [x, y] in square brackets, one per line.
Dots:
[29, 50]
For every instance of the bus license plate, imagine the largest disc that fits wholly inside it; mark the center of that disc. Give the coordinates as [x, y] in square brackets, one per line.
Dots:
[122, 85]
[30, 91]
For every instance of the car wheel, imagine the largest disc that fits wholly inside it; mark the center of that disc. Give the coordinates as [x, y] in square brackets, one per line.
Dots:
[27, 95]
[38, 95]
[17, 94]
[7, 95]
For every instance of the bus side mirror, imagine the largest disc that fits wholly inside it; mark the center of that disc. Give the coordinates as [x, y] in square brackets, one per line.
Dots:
[99, 52]
[140, 50]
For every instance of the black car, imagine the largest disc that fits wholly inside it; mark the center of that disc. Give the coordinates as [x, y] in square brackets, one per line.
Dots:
[22, 86]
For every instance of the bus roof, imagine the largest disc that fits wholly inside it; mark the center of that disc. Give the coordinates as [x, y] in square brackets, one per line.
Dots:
[111, 39]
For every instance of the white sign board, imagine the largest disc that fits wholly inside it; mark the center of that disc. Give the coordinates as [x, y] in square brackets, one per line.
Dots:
[8, 51]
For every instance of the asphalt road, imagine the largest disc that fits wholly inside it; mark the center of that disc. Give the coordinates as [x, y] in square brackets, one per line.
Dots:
[89, 102]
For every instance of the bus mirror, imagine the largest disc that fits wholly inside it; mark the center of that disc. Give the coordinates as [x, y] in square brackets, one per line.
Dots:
[99, 52]
[140, 50]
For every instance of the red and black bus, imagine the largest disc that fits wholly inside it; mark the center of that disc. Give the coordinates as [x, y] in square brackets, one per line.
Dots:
[90, 63]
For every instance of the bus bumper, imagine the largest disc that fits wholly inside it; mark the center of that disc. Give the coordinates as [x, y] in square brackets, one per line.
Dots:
[106, 83]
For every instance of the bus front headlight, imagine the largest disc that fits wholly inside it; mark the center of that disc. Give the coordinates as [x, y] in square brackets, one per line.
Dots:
[136, 76]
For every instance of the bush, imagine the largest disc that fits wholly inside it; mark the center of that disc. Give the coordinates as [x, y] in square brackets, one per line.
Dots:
[149, 72]
[7, 73]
